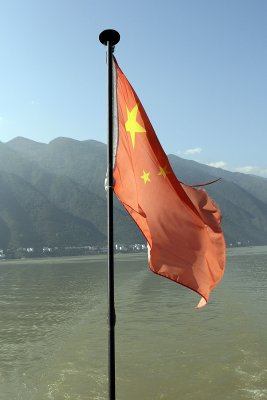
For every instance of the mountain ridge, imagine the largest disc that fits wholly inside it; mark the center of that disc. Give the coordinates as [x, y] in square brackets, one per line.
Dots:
[66, 176]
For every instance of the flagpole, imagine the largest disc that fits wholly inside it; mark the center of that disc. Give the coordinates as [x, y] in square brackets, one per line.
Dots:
[110, 38]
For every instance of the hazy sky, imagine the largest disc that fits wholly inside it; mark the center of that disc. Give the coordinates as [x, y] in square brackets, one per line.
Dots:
[198, 66]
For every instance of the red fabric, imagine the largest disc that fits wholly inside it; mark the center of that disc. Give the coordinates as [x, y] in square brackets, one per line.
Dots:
[180, 223]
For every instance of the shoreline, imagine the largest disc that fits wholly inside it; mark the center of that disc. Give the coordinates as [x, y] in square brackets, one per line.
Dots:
[70, 259]
[230, 252]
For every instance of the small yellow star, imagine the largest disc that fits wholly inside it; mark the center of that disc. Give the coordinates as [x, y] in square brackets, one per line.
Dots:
[131, 125]
[163, 171]
[145, 177]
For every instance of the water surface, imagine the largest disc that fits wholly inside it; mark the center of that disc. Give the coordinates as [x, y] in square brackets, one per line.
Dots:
[53, 331]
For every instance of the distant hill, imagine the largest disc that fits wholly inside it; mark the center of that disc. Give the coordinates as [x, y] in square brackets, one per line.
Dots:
[53, 195]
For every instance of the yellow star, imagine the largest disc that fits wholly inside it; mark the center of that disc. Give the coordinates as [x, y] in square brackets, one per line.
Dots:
[163, 171]
[145, 177]
[131, 125]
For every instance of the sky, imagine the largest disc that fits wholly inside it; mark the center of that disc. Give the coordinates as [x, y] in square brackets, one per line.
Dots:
[199, 68]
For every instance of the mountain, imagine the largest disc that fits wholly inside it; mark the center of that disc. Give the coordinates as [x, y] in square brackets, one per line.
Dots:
[32, 163]
[29, 219]
[82, 161]
[53, 195]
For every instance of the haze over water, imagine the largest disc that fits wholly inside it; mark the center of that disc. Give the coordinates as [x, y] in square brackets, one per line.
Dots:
[53, 331]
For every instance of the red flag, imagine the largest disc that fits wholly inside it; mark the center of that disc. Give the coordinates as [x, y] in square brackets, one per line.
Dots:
[181, 224]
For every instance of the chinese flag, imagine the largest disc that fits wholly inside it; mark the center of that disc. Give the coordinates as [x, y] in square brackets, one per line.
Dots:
[181, 224]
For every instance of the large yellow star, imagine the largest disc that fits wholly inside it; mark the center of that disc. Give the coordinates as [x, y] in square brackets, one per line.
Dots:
[163, 171]
[131, 125]
[145, 177]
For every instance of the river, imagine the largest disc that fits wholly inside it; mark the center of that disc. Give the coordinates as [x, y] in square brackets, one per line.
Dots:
[53, 331]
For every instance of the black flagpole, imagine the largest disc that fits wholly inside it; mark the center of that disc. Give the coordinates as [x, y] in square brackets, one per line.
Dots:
[110, 38]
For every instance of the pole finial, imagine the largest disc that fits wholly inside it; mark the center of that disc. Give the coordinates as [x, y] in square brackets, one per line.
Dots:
[109, 35]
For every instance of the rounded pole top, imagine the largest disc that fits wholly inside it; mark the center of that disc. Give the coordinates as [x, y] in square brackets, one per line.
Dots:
[109, 35]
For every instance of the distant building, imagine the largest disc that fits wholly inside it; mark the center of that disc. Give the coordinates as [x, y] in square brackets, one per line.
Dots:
[120, 247]
[47, 249]
[2, 255]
